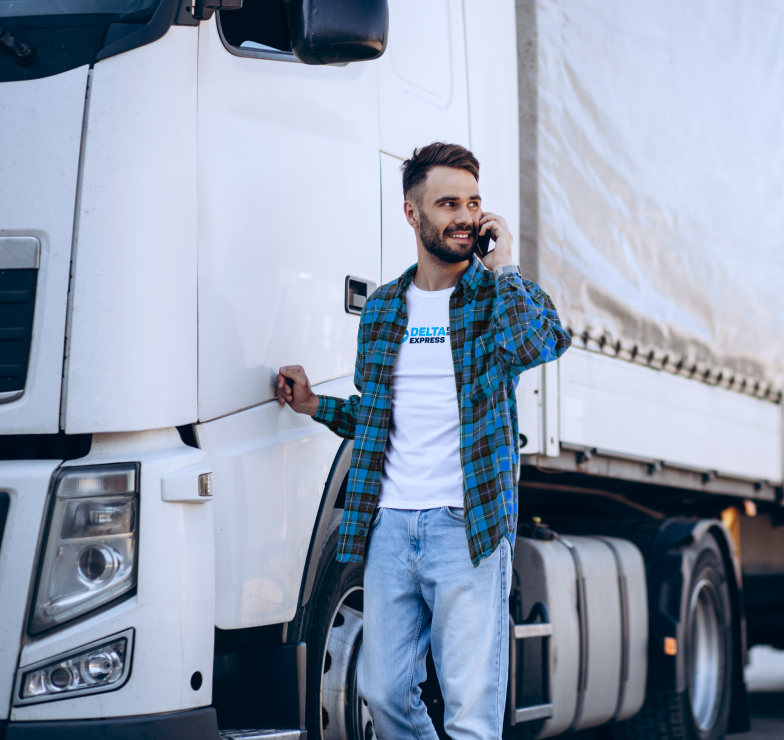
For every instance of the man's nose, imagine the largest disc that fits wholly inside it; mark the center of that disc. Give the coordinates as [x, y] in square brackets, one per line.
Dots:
[464, 217]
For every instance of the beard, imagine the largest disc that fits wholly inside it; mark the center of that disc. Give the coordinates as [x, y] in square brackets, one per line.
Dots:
[434, 241]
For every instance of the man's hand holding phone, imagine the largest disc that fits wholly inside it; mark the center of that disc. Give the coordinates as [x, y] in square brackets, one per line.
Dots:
[496, 228]
[293, 388]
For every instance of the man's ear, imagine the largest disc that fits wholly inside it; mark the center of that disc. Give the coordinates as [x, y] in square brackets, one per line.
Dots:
[412, 213]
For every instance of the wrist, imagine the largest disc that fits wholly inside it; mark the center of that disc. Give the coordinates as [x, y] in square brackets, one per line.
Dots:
[312, 405]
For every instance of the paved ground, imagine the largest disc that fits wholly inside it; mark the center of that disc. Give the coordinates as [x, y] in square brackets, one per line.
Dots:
[765, 677]
[767, 722]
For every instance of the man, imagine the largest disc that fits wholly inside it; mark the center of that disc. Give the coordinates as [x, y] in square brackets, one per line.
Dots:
[434, 466]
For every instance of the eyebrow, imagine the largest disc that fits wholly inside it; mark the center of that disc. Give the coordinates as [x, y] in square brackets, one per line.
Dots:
[445, 198]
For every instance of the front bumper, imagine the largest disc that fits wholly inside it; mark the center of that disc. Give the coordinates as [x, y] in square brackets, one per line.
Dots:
[196, 724]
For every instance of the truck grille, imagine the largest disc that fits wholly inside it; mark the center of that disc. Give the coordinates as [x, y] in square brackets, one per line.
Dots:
[18, 275]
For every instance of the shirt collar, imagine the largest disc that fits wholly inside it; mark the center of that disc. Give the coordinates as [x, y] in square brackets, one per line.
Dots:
[468, 283]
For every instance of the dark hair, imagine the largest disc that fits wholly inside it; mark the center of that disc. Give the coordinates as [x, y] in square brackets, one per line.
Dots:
[437, 154]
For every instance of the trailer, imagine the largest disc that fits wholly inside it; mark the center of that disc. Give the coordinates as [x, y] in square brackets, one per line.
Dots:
[196, 193]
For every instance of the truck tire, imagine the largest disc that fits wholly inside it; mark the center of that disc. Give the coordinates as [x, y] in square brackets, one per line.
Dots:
[331, 626]
[702, 711]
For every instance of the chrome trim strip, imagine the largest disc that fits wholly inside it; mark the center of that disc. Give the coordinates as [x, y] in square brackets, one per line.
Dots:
[238, 51]
[273, 54]
[8, 396]
[19, 252]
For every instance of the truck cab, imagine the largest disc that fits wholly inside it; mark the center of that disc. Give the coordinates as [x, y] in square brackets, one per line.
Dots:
[196, 194]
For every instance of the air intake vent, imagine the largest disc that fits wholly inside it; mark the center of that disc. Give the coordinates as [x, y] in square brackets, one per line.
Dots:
[19, 257]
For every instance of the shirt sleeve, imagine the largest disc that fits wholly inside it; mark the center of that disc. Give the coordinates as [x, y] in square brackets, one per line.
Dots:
[340, 414]
[526, 327]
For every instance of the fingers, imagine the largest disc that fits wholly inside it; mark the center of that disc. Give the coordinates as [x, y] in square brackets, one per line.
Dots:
[295, 372]
[490, 224]
[493, 221]
[288, 377]
[284, 391]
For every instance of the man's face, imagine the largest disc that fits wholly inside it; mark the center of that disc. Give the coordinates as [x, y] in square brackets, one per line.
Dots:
[449, 214]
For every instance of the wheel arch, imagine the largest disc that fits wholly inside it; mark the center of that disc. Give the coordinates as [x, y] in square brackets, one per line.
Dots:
[329, 498]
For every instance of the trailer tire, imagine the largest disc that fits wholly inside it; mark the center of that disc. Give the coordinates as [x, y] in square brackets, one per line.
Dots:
[331, 626]
[702, 711]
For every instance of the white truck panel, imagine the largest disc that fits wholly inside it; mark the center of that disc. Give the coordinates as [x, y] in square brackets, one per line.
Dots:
[132, 347]
[423, 95]
[289, 206]
[269, 470]
[627, 409]
[529, 411]
[491, 53]
[39, 163]
[398, 239]
[27, 483]
[173, 610]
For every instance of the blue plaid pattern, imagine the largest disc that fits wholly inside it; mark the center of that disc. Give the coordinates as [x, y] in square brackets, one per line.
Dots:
[498, 328]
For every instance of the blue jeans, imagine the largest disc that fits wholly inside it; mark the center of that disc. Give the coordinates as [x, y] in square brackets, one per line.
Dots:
[421, 591]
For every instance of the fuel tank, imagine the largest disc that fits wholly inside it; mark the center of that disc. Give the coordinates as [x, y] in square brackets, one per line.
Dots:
[596, 655]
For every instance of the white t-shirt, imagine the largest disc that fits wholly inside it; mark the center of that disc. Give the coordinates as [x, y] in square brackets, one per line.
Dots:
[422, 462]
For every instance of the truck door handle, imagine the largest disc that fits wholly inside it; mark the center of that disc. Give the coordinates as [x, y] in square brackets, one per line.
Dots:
[358, 290]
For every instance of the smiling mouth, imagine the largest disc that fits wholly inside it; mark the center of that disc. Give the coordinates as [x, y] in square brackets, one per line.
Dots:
[461, 236]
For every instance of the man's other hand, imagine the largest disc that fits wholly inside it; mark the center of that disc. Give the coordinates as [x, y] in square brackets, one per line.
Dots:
[294, 389]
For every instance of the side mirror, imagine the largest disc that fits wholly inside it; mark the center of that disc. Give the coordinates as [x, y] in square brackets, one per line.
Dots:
[339, 31]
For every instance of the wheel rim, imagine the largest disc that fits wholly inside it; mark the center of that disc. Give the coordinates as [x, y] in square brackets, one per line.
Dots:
[344, 715]
[707, 655]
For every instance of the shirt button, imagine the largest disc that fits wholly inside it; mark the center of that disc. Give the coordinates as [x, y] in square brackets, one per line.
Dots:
[362, 531]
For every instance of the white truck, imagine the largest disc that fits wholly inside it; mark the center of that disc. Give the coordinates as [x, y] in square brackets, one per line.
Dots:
[194, 194]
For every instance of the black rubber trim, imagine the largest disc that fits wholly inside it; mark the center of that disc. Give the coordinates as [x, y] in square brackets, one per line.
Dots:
[5, 503]
[159, 24]
[196, 724]
[624, 599]
[582, 614]
[332, 488]
[17, 309]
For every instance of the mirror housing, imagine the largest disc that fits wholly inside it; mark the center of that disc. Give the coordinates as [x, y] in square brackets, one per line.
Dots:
[339, 31]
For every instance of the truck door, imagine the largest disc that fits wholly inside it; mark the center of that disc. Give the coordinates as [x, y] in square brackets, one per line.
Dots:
[288, 207]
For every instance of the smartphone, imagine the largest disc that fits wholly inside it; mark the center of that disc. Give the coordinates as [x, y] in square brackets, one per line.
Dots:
[483, 243]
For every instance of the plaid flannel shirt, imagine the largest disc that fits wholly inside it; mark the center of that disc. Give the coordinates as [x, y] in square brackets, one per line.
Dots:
[499, 327]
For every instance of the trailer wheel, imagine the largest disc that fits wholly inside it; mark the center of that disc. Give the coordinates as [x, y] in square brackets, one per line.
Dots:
[702, 711]
[331, 625]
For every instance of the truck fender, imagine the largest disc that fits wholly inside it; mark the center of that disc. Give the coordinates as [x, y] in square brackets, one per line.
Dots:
[669, 567]
[332, 490]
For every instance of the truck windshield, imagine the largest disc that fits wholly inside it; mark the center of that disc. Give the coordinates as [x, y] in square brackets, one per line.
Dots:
[22, 12]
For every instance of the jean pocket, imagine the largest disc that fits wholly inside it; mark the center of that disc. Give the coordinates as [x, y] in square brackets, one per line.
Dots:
[376, 517]
[453, 512]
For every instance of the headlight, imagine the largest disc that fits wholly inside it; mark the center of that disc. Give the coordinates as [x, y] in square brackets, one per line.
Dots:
[90, 547]
[100, 666]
